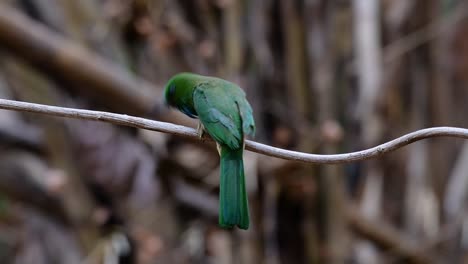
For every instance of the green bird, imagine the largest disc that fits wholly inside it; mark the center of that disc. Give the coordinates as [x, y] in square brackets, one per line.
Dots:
[226, 116]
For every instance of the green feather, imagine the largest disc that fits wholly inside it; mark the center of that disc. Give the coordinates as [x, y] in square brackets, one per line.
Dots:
[218, 112]
[233, 203]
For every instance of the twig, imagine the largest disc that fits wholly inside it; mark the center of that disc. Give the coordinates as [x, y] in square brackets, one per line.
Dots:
[178, 130]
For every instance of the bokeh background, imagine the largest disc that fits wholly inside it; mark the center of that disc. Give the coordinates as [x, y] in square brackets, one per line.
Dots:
[322, 77]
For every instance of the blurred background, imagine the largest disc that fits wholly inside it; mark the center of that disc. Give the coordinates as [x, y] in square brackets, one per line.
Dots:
[322, 77]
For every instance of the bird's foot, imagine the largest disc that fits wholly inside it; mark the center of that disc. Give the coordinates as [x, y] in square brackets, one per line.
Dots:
[201, 132]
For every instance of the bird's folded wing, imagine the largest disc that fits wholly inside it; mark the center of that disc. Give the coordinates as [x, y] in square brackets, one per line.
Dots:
[219, 113]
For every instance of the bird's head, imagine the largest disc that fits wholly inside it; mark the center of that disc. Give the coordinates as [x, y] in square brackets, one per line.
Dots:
[180, 87]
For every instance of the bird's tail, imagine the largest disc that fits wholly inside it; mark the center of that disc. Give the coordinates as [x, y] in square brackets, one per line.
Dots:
[233, 204]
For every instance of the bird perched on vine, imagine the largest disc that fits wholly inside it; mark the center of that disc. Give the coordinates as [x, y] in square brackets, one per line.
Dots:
[225, 114]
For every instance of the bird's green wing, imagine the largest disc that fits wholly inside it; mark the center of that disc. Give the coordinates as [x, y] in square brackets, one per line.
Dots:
[217, 106]
[248, 124]
[244, 108]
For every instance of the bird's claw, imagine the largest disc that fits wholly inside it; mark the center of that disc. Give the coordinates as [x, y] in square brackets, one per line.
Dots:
[201, 132]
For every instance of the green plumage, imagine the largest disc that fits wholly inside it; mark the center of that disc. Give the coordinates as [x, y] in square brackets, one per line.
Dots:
[227, 117]
[233, 206]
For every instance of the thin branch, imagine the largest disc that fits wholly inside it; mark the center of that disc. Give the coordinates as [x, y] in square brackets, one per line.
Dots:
[178, 130]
